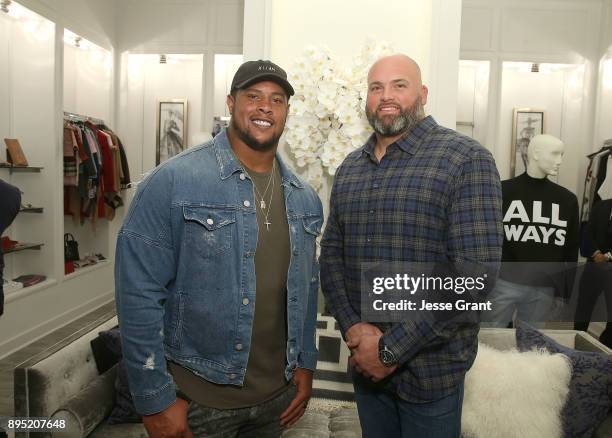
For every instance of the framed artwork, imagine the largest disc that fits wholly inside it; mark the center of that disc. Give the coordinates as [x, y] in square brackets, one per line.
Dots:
[171, 129]
[526, 124]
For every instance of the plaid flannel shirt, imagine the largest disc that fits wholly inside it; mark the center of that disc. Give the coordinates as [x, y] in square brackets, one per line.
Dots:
[434, 197]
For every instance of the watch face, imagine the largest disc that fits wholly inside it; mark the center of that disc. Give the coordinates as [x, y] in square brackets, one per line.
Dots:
[387, 357]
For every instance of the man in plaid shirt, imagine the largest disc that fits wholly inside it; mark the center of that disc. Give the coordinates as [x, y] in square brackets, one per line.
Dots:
[415, 192]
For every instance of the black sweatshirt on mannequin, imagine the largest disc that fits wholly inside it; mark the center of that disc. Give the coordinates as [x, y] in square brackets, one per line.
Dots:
[540, 225]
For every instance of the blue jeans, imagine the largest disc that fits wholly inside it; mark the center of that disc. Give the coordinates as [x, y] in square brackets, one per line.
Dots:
[533, 304]
[261, 421]
[385, 415]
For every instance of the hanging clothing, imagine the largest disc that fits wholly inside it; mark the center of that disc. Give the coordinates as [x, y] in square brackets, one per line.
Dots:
[95, 171]
[597, 186]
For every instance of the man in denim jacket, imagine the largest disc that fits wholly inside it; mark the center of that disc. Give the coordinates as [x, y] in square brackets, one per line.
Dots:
[217, 278]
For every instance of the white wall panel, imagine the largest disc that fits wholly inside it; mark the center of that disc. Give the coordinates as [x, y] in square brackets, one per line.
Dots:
[5, 114]
[142, 23]
[528, 30]
[145, 25]
[92, 19]
[70, 78]
[605, 109]
[472, 99]
[32, 66]
[225, 68]
[477, 28]
[93, 82]
[228, 23]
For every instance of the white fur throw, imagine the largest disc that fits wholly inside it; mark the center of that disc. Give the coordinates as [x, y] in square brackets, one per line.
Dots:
[510, 394]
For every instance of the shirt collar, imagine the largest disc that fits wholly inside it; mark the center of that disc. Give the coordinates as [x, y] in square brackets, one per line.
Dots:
[410, 142]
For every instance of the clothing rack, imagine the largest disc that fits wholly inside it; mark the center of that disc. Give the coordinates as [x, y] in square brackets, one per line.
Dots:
[80, 118]
[607, 145]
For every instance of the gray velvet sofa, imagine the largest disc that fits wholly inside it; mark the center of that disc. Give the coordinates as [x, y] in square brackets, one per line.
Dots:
[63, 381]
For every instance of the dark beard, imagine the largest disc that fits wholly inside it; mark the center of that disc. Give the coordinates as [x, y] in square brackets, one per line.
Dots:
[251, 141]
[405, 121]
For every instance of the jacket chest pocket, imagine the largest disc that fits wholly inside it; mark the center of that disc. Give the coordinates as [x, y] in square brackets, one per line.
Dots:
[311, 230]
[209, 231]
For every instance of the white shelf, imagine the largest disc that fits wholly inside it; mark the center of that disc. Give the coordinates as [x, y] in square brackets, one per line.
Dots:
[23, 292]
[86, 269]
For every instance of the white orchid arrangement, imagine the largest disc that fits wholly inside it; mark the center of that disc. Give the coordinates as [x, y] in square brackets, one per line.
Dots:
[327, 119]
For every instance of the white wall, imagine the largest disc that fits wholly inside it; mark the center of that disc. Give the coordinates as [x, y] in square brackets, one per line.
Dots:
[603, 127]
[604, 131]
[225, 68]
[88, 81]
[153, 25]
[92, 19]
[344, 25]
[473, 99]
[148, 82]
[27, 113]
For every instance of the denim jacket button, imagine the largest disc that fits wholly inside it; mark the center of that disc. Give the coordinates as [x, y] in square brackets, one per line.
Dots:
[247, 203]
[242, 177]
[232, 376]
[238, 347]
[245, 301]
[209, 221]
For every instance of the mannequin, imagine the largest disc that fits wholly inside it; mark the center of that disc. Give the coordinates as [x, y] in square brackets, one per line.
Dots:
[545, 155]
[540, 239]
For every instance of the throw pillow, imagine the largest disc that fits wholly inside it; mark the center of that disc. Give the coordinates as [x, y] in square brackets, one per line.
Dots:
[590, 397]
[511, 394]
[124, 410]
[105, 357]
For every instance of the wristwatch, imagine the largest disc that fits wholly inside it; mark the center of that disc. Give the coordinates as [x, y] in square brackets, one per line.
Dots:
[386, 356]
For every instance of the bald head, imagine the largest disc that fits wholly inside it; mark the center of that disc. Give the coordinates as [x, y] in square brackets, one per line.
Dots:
[399, 63]
[396, 96]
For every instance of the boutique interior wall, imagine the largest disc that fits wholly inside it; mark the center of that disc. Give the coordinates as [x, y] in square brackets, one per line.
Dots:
[571, 36]
[40, 79]
[31, 105]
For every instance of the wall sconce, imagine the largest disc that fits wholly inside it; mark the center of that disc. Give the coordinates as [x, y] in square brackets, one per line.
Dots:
[4, 6]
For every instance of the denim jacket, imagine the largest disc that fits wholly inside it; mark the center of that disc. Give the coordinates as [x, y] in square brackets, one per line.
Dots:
[185, 273]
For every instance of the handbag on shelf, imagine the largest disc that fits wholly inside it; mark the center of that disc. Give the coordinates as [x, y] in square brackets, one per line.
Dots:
[71, 248]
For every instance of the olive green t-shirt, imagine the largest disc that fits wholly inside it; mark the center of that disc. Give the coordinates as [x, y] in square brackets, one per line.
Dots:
[265, 375]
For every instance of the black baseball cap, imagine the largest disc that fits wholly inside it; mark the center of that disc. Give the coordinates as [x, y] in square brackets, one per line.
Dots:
[256, 71]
